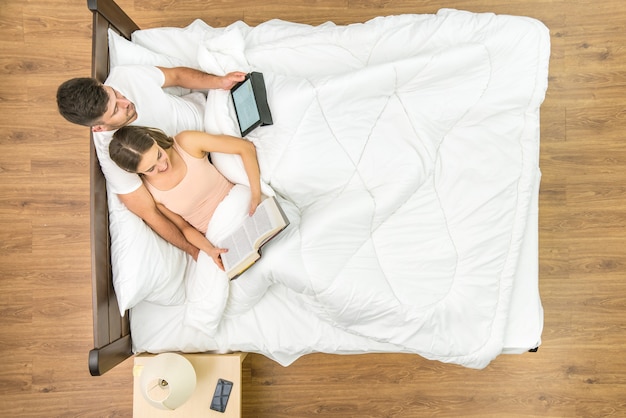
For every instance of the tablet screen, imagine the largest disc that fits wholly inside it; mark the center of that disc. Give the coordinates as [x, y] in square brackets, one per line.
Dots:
[245, 105]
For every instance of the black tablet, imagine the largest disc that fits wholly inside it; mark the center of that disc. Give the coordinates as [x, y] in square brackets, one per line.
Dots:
[250, 101]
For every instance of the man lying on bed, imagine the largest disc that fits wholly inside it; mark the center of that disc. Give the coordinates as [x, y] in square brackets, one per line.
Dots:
[135, 95]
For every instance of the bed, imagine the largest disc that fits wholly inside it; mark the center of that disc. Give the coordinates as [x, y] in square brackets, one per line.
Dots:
[405, 152]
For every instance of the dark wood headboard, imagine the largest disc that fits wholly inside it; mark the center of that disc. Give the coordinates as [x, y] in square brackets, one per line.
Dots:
[111, 332]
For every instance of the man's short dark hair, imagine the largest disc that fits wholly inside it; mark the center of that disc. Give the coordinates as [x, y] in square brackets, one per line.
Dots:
[82, 101]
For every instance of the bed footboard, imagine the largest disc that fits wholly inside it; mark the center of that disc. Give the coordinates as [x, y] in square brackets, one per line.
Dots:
[111, 332]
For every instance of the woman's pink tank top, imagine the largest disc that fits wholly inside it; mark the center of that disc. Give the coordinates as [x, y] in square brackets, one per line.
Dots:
[198, 194]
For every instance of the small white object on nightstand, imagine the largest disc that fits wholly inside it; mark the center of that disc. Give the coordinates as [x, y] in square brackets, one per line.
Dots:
[167, 381]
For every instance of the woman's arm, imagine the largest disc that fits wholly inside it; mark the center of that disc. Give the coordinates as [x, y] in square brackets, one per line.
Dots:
[199, 143]
[194, 236]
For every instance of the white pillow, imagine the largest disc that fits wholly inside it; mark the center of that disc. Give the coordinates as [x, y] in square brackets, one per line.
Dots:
[145, 267]
[124, 52]
[179, 43]
[226, 51]
[231, 167]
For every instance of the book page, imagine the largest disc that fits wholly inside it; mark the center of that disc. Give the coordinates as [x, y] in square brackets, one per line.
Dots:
[238, 245]
[241, 243]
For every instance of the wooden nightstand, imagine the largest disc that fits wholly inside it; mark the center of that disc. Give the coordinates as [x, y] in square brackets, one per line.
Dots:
[209, 368]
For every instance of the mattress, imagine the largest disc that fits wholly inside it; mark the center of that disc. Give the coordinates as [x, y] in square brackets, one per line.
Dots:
[405, 152]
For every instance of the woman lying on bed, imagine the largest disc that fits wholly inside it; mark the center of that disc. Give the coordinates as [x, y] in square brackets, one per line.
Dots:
[185, 185]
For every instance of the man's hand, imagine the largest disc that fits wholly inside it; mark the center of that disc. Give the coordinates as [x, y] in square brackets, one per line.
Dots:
[229, 80]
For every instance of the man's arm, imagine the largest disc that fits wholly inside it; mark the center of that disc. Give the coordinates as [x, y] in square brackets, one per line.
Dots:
[194, 79]
[194, 236]
[141, 203]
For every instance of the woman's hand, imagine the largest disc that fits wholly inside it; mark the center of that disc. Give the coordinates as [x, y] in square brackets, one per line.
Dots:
[214, 253]
[255, 199]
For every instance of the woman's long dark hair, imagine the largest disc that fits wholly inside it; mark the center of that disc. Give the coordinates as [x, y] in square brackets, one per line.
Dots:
[130, 143]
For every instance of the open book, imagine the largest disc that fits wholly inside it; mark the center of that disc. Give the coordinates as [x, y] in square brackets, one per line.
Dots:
[244, 245]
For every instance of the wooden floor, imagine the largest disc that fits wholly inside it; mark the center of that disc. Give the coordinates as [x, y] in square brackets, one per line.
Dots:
[45, 295]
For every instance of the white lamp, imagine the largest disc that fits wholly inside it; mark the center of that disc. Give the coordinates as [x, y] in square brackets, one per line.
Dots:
[167, 381]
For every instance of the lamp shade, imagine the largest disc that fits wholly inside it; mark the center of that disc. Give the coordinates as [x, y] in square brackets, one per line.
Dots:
[167, 381]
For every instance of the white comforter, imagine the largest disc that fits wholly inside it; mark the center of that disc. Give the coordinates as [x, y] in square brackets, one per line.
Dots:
[405, 152]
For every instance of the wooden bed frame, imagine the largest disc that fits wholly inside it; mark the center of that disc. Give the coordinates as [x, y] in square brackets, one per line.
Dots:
[111, 332]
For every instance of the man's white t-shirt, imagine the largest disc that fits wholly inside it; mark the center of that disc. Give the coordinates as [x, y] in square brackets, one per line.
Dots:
[155, 108]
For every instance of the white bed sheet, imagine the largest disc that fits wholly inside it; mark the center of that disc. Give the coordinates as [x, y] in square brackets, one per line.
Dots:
[405, 152]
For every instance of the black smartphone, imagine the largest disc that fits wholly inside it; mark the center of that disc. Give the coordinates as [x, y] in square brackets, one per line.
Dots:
[221, 395]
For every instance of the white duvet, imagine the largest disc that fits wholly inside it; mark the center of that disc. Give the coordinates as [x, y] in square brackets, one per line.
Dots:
[405, 153]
